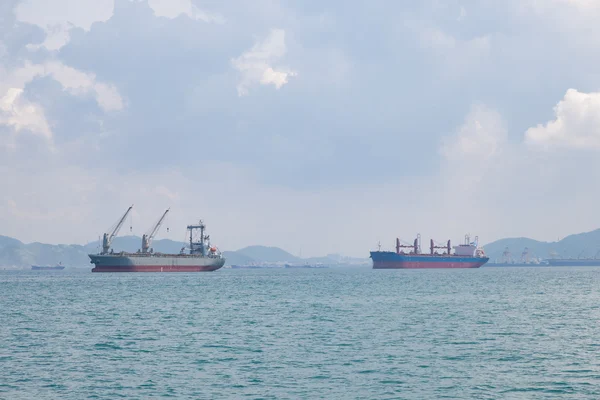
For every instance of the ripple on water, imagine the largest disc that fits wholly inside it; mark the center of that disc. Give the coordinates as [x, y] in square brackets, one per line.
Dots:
[333, 334]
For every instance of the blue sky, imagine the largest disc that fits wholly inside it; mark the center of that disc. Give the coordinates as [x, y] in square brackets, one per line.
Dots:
[321, 126]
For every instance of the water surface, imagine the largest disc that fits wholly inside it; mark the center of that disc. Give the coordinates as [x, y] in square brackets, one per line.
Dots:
[487, 333]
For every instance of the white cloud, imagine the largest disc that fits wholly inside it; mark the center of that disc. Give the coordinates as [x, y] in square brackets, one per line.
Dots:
[456, 56]
[255, 65]
[472, 156]
[58, 16]
[462, 14]
[56, 37]
[20, 114]
[174, 8]
[77, 82]
[547, 5]
[576, 124]
[74, 81]
[479, 139]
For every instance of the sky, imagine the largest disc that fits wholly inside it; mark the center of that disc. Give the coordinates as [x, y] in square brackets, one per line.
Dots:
[318, 127]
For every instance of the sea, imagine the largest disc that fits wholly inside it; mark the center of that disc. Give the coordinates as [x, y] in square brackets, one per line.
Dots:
[337, 333]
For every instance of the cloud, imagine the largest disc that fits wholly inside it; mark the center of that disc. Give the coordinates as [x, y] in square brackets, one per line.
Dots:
[576, 124]
[383, 110]
[255, 65]
[472, 156]
[478, 140]
[455, 55]
[74, 81]
[59, 16]
[21, 114]
[174, 8]
[78, 82]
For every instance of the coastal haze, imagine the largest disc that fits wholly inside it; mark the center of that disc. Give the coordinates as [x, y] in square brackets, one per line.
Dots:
[17, 255]
[320, 127]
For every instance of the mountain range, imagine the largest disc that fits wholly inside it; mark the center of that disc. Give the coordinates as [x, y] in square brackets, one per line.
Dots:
[581, 245]
[16, 254]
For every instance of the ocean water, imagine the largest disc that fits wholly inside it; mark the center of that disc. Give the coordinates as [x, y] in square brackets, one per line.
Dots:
[490, 333]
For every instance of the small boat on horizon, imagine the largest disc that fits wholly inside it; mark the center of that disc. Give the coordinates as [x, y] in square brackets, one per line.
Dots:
[58, 267]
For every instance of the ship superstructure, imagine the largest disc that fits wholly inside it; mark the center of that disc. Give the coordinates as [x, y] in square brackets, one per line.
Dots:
[200, 255]
[466, 255]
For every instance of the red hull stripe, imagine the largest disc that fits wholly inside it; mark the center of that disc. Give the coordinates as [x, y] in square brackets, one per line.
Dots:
[155, 268]
[422, 265]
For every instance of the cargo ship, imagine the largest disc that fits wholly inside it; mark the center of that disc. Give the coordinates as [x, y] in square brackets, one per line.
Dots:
[526, 260]
[574, 262]
[409, 256]
[305, 266]
[200, 255]
[58, 267]
[517, 264]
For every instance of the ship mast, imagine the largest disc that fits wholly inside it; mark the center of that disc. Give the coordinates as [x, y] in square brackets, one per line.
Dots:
[200, 244]
[148, 236]
[108, 238]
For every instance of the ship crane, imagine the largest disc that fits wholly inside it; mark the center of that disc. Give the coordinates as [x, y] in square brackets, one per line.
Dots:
[446, 246]
[525, 255]
[506, 256]
[108, 237]
[416, 246]
[148, 236]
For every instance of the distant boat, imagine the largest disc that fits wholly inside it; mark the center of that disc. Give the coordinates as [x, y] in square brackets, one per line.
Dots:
[518, 264]
[305, 266]
[256, 266]
[48, 267]
[574, 262]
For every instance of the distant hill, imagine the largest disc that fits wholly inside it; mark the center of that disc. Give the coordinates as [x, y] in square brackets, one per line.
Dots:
[235, 258]
[573, 246]
[267, 254]
[133, 243]
[8, 241]
[15, 254]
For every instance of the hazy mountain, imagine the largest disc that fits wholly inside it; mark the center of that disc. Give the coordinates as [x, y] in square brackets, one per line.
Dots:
[134, 243]
[268, 254]
[573, 246]
[15, 254]
[8, 241]
[235, 258]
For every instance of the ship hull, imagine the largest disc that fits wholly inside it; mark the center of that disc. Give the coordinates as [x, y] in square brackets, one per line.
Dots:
[43, 268]
[154, 268]
[155, 263]
[391, 260]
